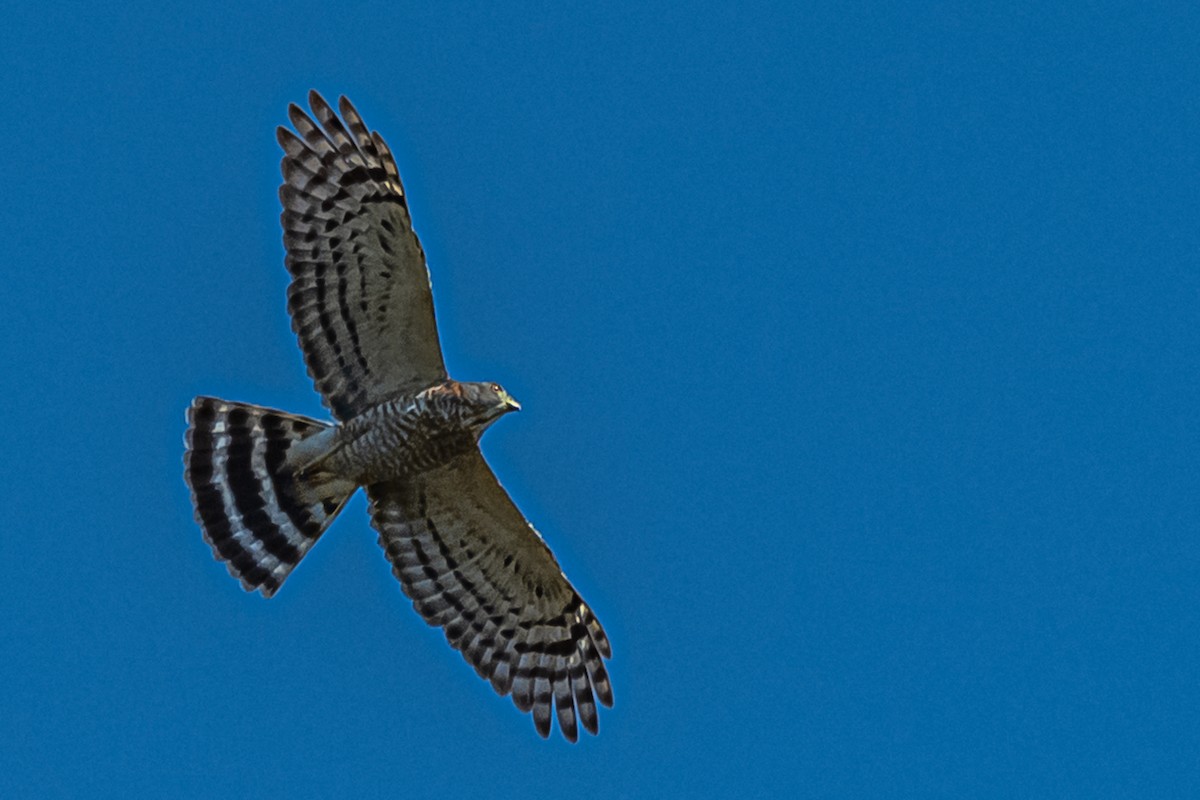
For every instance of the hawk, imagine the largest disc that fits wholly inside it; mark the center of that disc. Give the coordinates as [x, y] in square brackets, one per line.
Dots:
[266, 484]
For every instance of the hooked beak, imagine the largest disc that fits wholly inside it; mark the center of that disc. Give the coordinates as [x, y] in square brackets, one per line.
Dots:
[508, 403]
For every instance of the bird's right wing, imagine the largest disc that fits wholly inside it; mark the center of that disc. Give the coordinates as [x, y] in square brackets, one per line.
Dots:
[472, 564]
[360, 298]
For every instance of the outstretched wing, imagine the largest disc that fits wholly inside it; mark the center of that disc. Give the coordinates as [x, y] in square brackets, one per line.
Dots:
[360, 298]
[472, 564]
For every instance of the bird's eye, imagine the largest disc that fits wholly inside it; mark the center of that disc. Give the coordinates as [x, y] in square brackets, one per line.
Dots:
[496, 388]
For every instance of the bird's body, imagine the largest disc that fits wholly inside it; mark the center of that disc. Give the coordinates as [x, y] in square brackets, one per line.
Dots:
[404, 436]
[266, 484]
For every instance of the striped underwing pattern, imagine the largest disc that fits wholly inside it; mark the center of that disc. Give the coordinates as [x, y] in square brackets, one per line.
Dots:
[266, 484]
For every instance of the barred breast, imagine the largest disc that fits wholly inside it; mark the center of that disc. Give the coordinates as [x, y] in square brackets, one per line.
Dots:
[397, 438]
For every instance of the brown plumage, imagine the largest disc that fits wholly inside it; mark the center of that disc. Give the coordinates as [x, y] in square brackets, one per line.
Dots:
[266, 484]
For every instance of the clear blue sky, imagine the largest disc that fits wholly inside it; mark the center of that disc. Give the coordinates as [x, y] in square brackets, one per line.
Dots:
[858, 348]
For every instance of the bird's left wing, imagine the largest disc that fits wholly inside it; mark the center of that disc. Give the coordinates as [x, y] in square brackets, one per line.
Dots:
[472, 564]
[360, 299]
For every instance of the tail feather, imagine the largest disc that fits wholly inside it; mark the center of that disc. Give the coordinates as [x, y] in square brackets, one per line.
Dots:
[256, 515]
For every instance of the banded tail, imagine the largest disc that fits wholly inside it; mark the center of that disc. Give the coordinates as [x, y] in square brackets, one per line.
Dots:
[258, 517]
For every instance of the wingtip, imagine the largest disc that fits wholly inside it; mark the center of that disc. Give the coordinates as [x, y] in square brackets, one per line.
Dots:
[320, 107]
[591, 723]
[570, 731]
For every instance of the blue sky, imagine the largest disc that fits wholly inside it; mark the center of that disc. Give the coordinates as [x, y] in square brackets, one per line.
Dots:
[858, 347]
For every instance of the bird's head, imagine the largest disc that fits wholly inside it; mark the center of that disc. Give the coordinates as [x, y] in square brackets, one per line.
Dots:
[478, 405]
[489, 402]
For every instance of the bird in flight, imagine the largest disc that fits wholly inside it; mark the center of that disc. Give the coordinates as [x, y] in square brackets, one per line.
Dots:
[266, 484]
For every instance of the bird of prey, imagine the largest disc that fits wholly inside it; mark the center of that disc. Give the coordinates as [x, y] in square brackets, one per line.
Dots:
[266, 484]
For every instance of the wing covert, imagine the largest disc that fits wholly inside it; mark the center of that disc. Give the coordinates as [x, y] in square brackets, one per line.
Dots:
[472, 564]
[360, 296]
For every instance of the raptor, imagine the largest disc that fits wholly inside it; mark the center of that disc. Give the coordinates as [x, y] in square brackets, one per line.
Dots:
[266, 484]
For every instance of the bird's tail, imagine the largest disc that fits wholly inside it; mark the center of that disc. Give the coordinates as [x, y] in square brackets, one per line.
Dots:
[259, 518]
